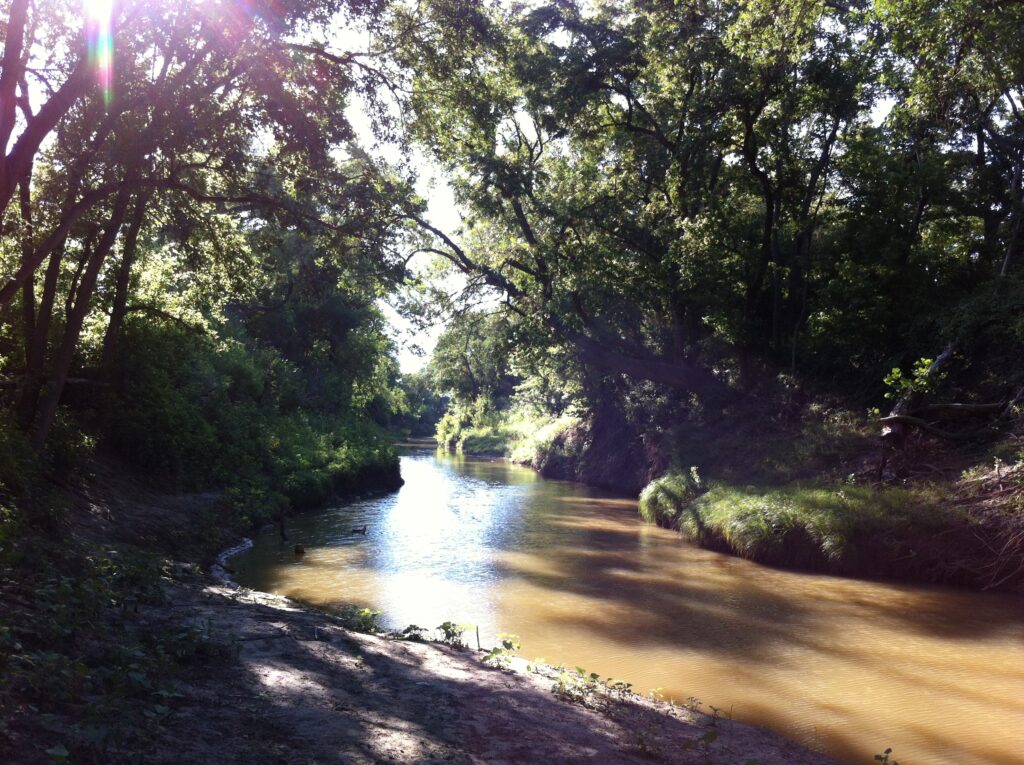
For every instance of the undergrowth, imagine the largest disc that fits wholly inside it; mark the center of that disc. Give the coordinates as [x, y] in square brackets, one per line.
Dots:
[84, 673]
[839, 528]
[520, 433]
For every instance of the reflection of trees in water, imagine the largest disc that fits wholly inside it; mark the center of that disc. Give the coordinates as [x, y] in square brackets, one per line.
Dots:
[492, 471]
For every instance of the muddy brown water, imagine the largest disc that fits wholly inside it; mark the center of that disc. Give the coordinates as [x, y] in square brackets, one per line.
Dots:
[845, 666]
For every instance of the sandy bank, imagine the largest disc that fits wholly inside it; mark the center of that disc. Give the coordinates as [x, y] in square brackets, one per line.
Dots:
[292, 685]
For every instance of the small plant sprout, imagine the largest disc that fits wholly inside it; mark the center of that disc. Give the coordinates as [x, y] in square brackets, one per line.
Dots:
[645, 739]
[693, 703]
[703, 745]
[412, 632]
[885, 756]
[501, 655]
[452, 632]
[578, 687]
[705, 742]
[619, 689]
[716, 715]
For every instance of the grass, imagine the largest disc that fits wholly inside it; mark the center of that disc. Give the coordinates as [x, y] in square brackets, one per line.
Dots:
[664, 501]
[486, 440]
[522, 436]
[840, 529]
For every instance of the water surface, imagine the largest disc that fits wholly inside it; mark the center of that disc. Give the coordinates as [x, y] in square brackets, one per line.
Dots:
[845, 666]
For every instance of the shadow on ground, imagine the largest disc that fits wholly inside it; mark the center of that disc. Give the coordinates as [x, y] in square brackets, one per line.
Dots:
[293, 686]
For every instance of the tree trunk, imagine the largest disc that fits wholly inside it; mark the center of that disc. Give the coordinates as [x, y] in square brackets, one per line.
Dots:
[1015, 225]
[119, 308]
[55, 239]
[11, 67]
[73, 327]
[18, 161]
[28, 289]
[36, 344]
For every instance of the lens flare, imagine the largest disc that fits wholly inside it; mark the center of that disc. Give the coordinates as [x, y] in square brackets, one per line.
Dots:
[99, 34]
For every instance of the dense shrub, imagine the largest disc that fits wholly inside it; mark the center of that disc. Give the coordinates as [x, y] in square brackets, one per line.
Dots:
[199, 414]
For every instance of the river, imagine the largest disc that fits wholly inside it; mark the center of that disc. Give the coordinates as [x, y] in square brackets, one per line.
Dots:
[845, 666]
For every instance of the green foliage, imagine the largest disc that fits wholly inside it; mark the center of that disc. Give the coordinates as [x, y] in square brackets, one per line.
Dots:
[252, 504]
[359, 619]
[818, 185]
[922, 379]
[57, 652]
[422, 408]
[843, 529]
[19, 466]
[471, 359]
[542, 440]
[204, 415]
[452, 632]
[518, 431]
[490, 440]
[579, 687]
[413, 632]
[501, 655]
[704, 742]
[664, 499]
[475, 427]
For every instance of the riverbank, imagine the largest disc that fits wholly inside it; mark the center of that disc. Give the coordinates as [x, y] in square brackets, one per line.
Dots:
[150, 659]
[798, 490]
[296, 686]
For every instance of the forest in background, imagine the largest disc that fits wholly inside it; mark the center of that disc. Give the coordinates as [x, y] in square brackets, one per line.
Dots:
[763, 261]
[663, 197]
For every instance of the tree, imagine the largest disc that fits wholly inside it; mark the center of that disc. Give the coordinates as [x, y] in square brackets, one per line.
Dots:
[227, 115]
[666, 188]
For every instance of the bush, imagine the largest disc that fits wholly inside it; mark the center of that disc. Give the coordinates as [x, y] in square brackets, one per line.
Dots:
[204, 415]
[78, 659]
[18, 467]
[253, 504]
[541, 441]
[489, 440]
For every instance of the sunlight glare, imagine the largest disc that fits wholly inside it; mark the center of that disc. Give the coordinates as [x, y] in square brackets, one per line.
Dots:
[99, 32]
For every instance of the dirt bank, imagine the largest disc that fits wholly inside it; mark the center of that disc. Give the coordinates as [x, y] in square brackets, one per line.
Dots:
[294, 686]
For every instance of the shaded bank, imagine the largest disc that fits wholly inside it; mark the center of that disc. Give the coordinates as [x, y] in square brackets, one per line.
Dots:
[302, 688]
[798, 491]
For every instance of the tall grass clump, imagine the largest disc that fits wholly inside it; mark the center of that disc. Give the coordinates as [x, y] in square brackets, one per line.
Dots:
[664, 500]
[841, 529]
